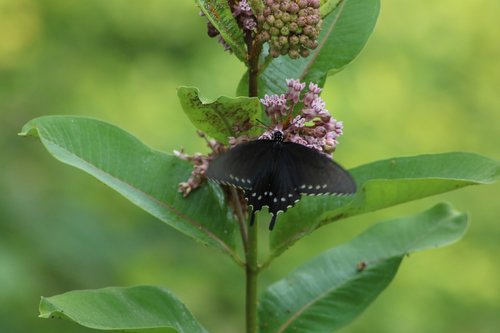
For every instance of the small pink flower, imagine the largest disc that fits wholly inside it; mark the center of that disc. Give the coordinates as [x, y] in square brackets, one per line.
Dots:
[298, 122]
[318, 105]
[267, 135]
[320, 131]
[298, 139]
[294, 89]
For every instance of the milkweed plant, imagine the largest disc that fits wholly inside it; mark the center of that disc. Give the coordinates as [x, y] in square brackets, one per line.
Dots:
[289, 48]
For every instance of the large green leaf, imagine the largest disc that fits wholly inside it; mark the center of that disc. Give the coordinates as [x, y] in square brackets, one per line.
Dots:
[343, 35]
[221, 117]
[147, 177]
[331, 290]
[133, 309]
[383, 184]
[220, 15]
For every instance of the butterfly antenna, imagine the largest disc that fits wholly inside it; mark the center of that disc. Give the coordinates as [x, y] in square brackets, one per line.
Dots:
[262, 124]
[273, 221]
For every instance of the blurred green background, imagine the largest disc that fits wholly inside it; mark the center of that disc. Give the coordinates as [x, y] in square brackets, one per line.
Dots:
[428, 81]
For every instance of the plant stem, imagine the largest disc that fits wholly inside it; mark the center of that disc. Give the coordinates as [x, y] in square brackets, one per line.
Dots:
[252, 272]
[253, 69]
[251, 254]
[241, 218]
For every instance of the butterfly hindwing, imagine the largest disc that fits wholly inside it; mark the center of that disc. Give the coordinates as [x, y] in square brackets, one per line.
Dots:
[315, 173]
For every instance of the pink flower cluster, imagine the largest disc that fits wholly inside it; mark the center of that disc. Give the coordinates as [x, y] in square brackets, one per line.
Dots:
[313, 127]
[200, 164]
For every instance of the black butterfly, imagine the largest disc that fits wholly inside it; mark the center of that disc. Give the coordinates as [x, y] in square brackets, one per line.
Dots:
[275, 174]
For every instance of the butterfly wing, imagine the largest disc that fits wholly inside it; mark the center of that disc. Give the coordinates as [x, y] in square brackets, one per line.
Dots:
[247, 166]
[284, 193]
[275, 174]
[315, 173]
[242, 165]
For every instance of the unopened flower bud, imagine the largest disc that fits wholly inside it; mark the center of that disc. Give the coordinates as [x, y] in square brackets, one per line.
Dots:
[294, 40]
[303, 3]
[285, 17]
[304, 53]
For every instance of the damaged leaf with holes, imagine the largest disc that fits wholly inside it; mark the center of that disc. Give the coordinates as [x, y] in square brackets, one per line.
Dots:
[222, 118]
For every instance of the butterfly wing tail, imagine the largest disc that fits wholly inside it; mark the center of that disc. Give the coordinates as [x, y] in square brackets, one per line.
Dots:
[252, 217]
[273, 222]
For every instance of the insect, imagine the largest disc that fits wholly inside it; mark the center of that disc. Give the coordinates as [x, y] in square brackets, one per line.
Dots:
[275, 174]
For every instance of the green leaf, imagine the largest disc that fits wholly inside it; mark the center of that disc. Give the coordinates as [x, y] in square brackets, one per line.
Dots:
[334, 288]
[328, 6]
[219, 118]
[343, 35]
[133, 309]
[220, 15]
[383, 184]
[147, 177]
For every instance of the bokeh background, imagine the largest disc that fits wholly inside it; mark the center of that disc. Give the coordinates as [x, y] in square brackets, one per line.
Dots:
[427, 82]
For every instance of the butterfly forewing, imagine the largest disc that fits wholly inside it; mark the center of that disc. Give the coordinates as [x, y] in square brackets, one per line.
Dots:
[241, 165]
[315, 173]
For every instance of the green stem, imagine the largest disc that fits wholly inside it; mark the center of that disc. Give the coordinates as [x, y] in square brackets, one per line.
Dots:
[241, 218]
[251, 253]
[252, 272]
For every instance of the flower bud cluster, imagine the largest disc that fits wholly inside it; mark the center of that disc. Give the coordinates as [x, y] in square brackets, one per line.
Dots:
[244, 16]
[290, 26]
[313, 127]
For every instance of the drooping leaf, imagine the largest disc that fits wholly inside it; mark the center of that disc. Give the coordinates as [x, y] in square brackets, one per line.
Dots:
[331, 290]
[383, 184]
[220, 15]
[221, 117]
[147, 177]
[138, 309]
[343, 35]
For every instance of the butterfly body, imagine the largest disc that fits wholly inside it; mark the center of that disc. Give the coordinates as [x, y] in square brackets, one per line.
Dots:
[274, 174]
